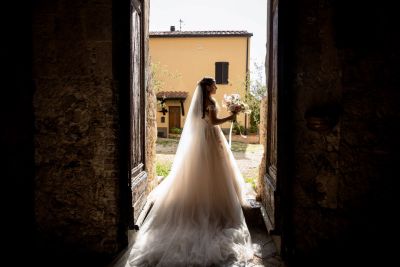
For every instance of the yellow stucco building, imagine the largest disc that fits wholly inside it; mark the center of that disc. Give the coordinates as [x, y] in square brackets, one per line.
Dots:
[181, 58]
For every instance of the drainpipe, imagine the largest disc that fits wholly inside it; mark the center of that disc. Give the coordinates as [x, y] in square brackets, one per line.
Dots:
[247, 81]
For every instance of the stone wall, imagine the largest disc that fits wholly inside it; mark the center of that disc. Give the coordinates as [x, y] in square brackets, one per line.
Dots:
[151, 137]
[151, 119]
[316, 83]
[76, 126]
[263, 131]
[345, 61]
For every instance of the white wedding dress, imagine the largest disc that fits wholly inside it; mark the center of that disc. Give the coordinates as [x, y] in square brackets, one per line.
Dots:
[196, 219]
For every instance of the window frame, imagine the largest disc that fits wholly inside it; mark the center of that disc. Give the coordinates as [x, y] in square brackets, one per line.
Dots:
[222, 72]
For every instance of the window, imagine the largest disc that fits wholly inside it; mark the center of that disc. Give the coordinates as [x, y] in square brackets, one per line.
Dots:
[221, 72]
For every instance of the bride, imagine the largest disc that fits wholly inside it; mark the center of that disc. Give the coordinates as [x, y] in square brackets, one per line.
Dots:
[196, 219]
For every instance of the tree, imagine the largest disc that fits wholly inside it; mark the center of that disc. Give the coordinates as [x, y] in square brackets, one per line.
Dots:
[160, 74]
[257, 90]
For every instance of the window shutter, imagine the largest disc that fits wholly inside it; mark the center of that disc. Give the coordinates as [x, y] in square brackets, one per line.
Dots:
[221, 72]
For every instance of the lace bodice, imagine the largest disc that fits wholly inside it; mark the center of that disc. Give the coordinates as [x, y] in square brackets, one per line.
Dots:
[210, 107]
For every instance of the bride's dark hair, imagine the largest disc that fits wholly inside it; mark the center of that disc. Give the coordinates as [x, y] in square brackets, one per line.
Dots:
[206, 81]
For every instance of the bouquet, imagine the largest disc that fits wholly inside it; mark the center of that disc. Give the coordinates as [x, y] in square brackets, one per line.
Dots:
[235, 105]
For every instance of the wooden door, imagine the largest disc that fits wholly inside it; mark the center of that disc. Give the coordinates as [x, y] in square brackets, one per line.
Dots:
[271, 197]
[174, 117]
[138, 175]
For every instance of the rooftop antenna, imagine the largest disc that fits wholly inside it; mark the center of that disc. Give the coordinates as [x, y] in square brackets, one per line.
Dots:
[180, 24]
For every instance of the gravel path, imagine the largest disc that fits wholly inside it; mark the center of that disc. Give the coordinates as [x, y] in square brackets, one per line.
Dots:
[248, 156]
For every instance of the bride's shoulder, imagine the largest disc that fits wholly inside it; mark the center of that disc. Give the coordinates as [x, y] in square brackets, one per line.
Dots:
[211, 104]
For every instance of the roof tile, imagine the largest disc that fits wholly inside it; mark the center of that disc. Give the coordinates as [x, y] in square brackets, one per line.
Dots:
[172, 95]
[200, 33]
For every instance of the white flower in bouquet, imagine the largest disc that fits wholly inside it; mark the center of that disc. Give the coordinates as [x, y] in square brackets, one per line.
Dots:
[234, 104]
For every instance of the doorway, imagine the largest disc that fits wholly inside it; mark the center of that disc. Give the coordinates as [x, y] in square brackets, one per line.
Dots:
[174, 117]
[270, 178]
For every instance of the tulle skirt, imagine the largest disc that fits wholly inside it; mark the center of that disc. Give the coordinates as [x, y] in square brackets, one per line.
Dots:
[196, 218]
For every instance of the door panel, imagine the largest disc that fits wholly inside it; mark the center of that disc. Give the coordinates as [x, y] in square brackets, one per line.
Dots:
[272, 100]
[174, 117]
[138, 176]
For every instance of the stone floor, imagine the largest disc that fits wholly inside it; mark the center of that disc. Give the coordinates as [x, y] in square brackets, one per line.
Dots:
[265, 252]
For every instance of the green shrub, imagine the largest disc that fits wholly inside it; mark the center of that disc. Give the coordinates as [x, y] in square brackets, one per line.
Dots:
[176, 130]
[237, 129]
[253, 128]
[252, 181]
[163, 169]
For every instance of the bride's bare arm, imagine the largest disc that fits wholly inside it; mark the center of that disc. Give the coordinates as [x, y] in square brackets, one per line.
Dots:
[215, 120]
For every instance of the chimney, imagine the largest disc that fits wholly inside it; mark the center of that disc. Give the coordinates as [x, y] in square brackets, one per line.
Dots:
[172, 28]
